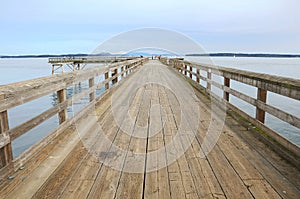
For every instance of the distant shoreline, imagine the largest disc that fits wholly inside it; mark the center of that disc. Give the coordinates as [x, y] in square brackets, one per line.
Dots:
[267, 55]
[43, 56]
[246, 55]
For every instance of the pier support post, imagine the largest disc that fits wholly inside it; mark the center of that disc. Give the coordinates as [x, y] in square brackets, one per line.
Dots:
[261, 96]
[208, 85]
[91, 84]
[6, 155]
[198, 74]
[191, 70]
[62, 96]
[227, 84]
[107, 84]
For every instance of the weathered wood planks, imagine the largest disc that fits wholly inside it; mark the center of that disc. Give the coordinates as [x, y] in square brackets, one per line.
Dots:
[237, 167]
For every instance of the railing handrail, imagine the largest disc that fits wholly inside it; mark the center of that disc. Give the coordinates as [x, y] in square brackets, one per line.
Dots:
[284, 86]
[9, 92]
[292, 84]
[14, 94]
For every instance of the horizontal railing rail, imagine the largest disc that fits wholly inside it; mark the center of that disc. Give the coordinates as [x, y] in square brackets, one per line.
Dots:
[264, 83]
[16, 94]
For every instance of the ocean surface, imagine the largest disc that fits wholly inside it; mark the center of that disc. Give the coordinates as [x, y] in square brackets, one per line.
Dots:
[14, 70]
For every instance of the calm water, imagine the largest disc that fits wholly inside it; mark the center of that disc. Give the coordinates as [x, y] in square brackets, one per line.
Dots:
[13, 70]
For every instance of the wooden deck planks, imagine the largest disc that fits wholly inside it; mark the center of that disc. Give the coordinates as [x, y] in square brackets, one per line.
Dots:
[75, 163]
[233, 169]
[184, 176]
[87, 172]
[8, 186]
[252, 161]
[151, 185]
[107, 181]
[39, 176]
[281, 184]
[136, 155]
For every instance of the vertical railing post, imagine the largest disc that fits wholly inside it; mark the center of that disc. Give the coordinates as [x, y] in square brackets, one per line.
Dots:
[191, 70]
[198, 74]
[185, 71]
[261, 96]
[6, 155]
[180, 68]
[62, 96]
[52, 69]
[135, 65]
[227, 84]
[208, 84]
[107, 84]
[114, 74]
[91, 84]
[122, 70]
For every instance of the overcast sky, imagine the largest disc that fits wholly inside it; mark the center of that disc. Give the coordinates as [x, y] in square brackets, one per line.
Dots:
[71, 26]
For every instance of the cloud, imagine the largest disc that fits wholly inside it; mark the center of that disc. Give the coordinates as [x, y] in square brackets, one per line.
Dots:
[45, 21]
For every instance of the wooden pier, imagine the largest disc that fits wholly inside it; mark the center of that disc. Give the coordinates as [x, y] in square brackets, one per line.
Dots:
[79, 63]
[95, 155]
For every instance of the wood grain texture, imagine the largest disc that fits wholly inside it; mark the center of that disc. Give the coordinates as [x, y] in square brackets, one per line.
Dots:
[239, 166]
[6, 155]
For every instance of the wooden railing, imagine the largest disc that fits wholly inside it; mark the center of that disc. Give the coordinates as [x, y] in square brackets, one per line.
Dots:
[15, 94]
[264, 83]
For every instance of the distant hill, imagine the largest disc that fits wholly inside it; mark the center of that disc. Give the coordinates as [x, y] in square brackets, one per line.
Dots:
[245, 55]
[145, 54]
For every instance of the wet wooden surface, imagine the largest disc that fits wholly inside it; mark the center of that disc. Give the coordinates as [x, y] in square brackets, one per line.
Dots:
[82, 164]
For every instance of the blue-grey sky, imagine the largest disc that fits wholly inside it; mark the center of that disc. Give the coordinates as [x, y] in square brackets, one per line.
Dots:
[71, 26]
